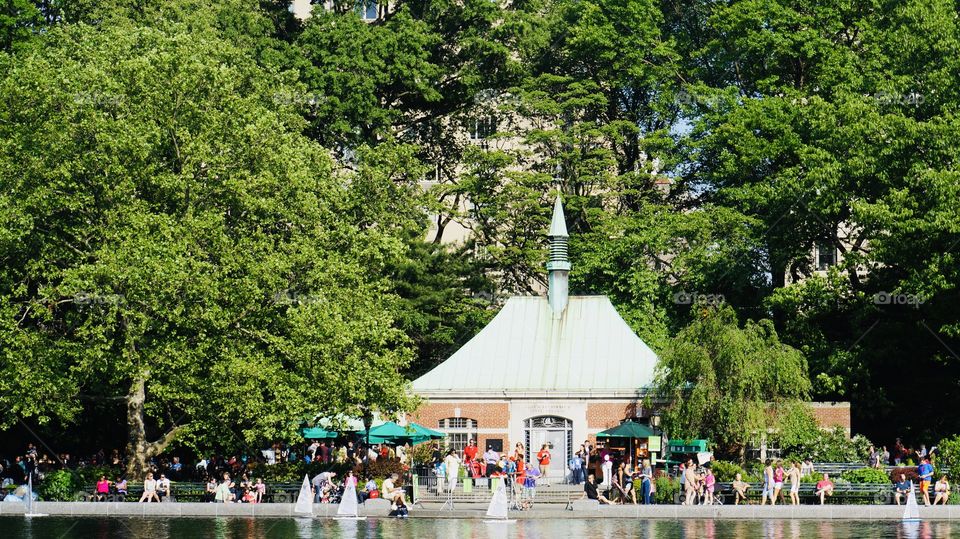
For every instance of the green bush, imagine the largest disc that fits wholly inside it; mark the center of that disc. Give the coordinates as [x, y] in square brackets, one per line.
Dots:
[59, 486]
[866, 475]
[726, 471]
[948, 455]
[381, 469]
[667, 489]
[832, 446]
[811, 478]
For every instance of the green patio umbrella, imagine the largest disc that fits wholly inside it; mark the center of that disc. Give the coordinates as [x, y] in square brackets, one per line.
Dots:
[389, 433]
[630, 430]
[318, 432]
[423, 434]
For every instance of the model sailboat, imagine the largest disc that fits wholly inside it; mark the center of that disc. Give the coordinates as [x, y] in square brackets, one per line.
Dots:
[304, 499]
[349, 509]
[912, 512]
[29, 500]
[498, 510]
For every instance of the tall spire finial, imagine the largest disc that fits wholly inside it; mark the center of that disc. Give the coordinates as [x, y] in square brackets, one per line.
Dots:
[558, 266]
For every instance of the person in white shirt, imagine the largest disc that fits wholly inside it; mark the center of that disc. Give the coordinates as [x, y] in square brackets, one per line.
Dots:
[390, 492]
[452, 463]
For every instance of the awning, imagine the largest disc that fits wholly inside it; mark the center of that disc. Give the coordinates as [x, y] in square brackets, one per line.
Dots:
[628, 429]
[317, 433]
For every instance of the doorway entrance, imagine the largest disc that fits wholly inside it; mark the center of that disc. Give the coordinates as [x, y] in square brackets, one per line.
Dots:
[557, 433]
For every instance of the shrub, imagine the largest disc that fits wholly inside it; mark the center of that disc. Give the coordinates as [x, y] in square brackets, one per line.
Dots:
[726, 471]
[866, 475]
[667, 489]
[909, 471]
[811, 478]
[421, 453]
[948, 455]
[60, 486]
[833, 446]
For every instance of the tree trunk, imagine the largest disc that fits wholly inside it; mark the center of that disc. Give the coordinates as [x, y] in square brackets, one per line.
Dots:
[139, 450]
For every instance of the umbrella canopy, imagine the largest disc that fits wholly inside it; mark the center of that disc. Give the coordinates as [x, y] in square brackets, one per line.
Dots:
[427, 434]
[628, 429]
[318, 432]
[388, 433]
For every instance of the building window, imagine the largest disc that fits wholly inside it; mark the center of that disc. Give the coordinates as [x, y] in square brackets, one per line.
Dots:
[459, 431]
[557, 434]
[482, 128]
[826, 256]
[368, 9]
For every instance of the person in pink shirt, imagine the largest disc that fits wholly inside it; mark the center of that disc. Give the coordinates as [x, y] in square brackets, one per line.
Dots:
[103, 489]
[709, 484]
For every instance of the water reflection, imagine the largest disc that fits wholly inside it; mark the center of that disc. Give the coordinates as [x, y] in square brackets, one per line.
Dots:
[244, 528]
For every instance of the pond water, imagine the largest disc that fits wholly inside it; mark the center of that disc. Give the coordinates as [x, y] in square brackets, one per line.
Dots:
[284, 528]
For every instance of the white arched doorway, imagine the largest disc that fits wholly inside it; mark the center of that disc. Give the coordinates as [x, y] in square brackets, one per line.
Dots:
[555, 431]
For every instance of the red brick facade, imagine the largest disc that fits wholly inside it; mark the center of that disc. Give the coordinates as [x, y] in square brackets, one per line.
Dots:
[488, 415]
[605, 415]
[832, 414]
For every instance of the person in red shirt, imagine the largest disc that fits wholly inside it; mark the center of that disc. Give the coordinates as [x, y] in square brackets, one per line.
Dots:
[470, 452]
[543, 457]
[824, 488]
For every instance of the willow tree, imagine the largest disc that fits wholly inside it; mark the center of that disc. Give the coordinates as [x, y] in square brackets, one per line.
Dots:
[169, 238]
[730, 384]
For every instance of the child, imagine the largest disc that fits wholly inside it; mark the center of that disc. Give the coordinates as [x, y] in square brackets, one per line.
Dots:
[709, 483]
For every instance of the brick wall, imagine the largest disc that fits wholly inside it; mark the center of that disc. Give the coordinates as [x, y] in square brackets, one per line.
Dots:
[489, 415]
[605, 415]
[831, 414]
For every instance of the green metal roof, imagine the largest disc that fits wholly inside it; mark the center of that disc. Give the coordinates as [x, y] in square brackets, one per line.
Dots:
[588, 350]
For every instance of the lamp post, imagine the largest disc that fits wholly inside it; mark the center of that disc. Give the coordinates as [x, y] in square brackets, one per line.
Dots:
[367, 422]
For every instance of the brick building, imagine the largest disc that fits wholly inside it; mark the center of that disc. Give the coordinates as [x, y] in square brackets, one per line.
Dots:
[554, 370]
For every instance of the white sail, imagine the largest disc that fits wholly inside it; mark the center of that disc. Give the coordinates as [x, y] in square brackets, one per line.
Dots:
[912, 511]
[498, 507]
[348, 502]
[304, 499]
[30, 494]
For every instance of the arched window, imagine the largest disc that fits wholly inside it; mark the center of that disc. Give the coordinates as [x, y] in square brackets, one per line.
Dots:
[459, 431]
[557, 434]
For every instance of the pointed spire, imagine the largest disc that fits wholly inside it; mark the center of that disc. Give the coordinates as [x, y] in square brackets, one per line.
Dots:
[558, 224]
[558, 264]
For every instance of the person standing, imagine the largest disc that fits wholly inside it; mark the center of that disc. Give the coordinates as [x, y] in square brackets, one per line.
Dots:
[646, 482]
[767, 484]
[452, 464]
[898, 452]
[491, 457]
[587, 450]
[470, 452]
[884, 457]
[690, 483]
[576, 467]
[925, 473]
[778, 476]
[607, 471]
[543, 458]
[794, 475]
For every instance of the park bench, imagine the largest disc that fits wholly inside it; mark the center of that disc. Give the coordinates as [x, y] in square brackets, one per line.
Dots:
[843, 493]
[186, 491]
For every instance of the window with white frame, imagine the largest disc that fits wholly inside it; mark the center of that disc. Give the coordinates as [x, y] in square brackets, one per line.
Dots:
[483, 127]
[459, 431]
[826, 256]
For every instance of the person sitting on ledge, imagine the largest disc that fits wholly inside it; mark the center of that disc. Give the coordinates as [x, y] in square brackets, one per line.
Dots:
[397, 496]
[824, 488]
[590, 491]
[942, 488]
[740, 488]
[902, 488]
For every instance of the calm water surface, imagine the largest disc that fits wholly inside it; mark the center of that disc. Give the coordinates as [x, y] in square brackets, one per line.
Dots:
[241, 528]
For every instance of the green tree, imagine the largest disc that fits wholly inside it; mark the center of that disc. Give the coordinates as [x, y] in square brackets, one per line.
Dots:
[727, 383]
[170, 238]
